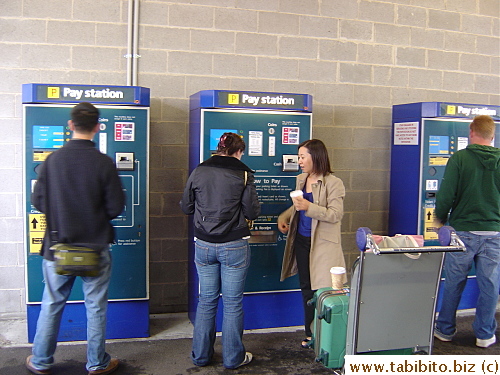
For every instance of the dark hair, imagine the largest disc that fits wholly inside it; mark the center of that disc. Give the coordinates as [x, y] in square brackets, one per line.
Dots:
[319, 155]
[484, 126]
[229, 143]
[85, 117]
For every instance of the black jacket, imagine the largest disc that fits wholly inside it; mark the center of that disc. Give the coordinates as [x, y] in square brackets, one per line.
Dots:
[79, 191]
[220, 200]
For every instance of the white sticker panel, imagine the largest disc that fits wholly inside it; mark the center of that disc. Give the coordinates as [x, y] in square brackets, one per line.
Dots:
[255, 143]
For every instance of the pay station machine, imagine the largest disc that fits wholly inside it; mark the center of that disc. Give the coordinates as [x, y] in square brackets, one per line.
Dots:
[272, 125]
[424, 137]
[124, 136]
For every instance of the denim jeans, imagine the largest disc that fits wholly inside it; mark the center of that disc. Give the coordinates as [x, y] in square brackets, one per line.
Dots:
[222, 268]
[484, 252]
[55, 294]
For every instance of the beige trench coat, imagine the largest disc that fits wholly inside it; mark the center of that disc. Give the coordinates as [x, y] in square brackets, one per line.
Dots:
[326, 212]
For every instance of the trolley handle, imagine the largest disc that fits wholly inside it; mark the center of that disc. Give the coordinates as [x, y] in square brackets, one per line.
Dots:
[447, 237]
[424, 249]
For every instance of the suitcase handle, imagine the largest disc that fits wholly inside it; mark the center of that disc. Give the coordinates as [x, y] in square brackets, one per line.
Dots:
[326, 314]
[312, 301]
[323, 357]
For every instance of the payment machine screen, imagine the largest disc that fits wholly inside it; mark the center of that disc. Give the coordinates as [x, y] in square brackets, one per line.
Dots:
[215, 135]
[48, 136]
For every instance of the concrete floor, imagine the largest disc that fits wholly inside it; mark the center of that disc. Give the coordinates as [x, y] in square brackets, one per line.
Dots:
[166, 352]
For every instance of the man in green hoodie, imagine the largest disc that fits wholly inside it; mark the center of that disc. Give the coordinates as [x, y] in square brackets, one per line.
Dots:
[471, 190]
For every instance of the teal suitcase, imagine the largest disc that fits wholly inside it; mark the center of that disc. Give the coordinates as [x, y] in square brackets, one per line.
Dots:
[330, 326]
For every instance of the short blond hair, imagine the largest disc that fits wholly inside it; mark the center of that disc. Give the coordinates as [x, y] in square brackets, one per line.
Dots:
[484, 126]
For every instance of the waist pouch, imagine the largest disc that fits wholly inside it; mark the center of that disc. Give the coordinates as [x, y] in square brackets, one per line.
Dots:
[72, 260]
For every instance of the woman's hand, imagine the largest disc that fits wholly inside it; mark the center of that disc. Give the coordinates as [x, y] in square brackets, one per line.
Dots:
[301, 204]
[283, 226]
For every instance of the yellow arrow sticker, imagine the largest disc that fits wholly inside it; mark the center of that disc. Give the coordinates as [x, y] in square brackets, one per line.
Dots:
[37, 225]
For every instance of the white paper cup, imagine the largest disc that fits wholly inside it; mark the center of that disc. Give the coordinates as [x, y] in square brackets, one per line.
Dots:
[296, 193]
[337, 274]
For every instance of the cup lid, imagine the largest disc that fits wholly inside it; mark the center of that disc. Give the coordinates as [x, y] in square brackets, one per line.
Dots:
[296, 193]
[337, 270]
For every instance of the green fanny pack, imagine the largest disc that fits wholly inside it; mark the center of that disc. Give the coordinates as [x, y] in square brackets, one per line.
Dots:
[72, 260]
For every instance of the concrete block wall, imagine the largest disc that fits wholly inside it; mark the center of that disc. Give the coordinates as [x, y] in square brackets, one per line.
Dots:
[356, 57]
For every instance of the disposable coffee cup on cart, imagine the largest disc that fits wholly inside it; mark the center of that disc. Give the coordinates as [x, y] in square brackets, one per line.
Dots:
[296, 194]
[337, 274]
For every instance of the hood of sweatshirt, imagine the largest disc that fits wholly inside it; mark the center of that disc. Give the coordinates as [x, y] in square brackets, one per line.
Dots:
[489, 156]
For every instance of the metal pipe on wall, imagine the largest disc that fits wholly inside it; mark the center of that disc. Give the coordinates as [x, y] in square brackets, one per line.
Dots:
[135, 48]
[128, 55]
[132, 42]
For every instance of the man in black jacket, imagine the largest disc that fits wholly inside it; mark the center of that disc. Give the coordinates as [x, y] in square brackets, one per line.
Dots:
[79, 191]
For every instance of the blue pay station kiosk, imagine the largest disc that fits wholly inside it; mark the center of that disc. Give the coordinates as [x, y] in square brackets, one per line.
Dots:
[424, 137]
[124, 136]
[272, 125]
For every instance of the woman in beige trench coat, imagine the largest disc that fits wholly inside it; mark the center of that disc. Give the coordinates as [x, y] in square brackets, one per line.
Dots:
[313, 225]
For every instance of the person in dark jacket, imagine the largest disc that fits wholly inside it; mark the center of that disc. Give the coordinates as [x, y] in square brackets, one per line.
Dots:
[221, 195]
[79, 191]
[471, 190]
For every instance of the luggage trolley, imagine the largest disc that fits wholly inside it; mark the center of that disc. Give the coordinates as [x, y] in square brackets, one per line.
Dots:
[392, 301]
[394, 294]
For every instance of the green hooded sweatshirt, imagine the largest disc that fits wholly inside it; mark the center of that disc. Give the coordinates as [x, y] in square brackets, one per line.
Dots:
[471, 190]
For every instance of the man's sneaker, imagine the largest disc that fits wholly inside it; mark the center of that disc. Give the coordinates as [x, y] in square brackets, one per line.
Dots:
[485, 343]
[440, 336]
[32, 368]
[247, 360]
[113, 365]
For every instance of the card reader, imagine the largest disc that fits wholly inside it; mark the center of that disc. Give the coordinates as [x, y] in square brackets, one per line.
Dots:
[290, 163]
[125, 161]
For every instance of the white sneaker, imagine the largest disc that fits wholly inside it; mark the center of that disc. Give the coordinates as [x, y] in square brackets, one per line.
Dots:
[485, 343]
[247, 360]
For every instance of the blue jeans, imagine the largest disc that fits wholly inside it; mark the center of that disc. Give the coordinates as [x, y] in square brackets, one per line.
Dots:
[55, 294]
[222, 268]
[484, 251]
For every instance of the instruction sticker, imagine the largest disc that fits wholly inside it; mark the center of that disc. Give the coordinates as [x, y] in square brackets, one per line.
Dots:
[125, 131]
[37, 226]
[429, 227]
[438, 160]
[290, 135]
[40, 156]
[462, 142]
[431, 185]
[406, 133]
[255, 143]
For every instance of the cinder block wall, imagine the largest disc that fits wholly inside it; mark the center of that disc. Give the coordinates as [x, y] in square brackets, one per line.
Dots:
[357, 58]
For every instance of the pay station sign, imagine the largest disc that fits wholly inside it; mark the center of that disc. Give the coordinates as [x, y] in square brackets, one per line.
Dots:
[55, 93]
[468, 110]
[93, 94]
[261, 100]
